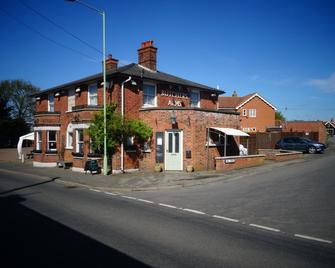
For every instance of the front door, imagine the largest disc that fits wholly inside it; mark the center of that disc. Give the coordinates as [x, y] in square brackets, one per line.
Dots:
[173, 150]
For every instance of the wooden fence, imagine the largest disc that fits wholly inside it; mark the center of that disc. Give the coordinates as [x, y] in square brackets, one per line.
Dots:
[268, 140]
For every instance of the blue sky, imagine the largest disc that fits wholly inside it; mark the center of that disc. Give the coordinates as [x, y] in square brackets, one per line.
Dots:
[284, 50]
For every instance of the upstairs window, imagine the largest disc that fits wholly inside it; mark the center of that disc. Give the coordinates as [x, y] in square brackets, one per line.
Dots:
[149, 95]
[51, 146]
[92, 94]
[71, 99]
[51, 103]
[252, 112]
[195, 98]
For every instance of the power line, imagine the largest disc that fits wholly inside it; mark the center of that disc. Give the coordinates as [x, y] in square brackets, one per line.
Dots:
[59, 26]
[46, 37]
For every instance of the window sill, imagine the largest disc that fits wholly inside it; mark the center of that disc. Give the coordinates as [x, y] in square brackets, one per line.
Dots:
[148, 106]
[69, 148]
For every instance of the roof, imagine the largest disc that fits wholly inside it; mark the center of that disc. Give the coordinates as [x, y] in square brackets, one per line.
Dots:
[238, 102]
[231, 131]
[330, 123]
[134, 70]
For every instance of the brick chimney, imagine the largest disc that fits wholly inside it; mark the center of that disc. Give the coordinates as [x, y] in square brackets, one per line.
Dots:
[111, 64]
[147, 55]
[234, 94]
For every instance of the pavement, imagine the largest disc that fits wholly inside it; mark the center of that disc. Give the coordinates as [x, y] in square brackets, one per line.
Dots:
[141, 181]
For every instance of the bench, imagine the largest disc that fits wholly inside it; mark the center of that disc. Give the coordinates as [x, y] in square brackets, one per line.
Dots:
[92, 166]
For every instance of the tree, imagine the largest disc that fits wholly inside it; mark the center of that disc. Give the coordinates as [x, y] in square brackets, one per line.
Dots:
[117, 130]
[16, 110]
[279, 116]
[19, 100]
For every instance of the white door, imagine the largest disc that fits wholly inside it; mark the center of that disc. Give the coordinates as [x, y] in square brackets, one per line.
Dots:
[173, 150]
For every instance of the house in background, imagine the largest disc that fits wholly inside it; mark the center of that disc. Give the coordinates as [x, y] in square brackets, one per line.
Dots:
[330, 126]
[256, 113]
[307, 127]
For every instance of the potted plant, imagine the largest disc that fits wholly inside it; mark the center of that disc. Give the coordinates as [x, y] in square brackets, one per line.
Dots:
[189, 168]
[158, 167]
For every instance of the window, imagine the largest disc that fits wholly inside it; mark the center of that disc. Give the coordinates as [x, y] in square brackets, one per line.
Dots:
[80, 141]
[252, 112]
[38, 140]
[51, 146]
[69, 140]
[51, 103]
[71, 99]
[245, 112]
[92, 94]
[149, 95]
[195, 98]
[216, 139]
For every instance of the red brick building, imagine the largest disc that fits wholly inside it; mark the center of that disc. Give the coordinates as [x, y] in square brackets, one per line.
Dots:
[256, 113]
[179, 111]
[307, 127]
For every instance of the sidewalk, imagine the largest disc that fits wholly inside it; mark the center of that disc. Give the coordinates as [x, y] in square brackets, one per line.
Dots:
[139, 181]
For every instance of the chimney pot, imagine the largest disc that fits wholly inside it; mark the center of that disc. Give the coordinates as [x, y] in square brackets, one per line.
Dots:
[147, 55]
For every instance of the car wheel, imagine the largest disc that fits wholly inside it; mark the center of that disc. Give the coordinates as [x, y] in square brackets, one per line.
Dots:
[312, 150]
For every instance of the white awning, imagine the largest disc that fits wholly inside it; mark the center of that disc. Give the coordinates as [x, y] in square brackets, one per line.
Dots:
[30, 136]
[230, 131]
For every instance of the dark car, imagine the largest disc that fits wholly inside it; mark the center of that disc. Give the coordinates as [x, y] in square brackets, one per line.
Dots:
[300, 144]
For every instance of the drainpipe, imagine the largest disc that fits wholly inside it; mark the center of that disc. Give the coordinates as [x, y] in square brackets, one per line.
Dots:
[122, 115]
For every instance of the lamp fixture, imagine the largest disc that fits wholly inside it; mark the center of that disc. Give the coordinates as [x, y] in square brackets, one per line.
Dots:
[57, 94]
[173, 118]
[38, 98]
[133, 83]
[78, 89]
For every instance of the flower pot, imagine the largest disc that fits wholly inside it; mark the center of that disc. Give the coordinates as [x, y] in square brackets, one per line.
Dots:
[189, 168]
[158, 168]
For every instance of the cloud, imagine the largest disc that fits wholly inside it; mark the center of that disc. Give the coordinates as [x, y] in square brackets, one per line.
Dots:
[327, 84]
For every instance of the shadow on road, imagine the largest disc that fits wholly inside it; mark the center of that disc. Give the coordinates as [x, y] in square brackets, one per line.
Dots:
[29, 186]
[29, 239]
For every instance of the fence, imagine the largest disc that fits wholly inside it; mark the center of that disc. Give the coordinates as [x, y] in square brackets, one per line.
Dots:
[268, 140]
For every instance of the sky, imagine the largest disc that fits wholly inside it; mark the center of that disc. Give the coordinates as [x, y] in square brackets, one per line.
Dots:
[284, 50]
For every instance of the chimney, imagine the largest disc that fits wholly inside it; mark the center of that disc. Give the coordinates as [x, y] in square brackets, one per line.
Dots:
[147, 55]
[234, 94]
[111, 64]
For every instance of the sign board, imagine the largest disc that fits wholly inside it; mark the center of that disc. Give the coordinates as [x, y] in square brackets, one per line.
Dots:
[230, 161]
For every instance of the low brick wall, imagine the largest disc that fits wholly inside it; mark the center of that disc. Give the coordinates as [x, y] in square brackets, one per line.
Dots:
[237, 162]
[279, 155]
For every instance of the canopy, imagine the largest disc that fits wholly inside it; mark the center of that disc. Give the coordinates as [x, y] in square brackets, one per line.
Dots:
[29, 136]
[231, 131]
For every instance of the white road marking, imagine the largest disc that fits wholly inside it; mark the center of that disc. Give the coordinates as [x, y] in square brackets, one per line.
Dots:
[225, 218]
[109, 193]
[264, 227]
[145, 201]
[313, 238]
[194, 211]
[95, 190]
[166, 205]
[128, 197]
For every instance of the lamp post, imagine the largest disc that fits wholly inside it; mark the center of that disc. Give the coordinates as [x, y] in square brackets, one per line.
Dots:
[102, 13]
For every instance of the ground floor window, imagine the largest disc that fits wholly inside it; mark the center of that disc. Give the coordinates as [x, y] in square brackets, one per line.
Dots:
[80, 141]
[69, 140]
[51, 141]
[38, 140]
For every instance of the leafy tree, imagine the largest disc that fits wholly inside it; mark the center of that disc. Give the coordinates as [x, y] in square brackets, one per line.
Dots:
[117, 130]
[16, 110]
[280, 116]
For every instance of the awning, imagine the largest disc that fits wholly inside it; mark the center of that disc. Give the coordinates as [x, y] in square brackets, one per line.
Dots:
[29, 136]
[230, 131]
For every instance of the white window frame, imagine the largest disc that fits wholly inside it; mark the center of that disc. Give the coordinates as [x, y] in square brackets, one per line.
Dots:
[90, 95]
[69, 140]
[155, 97]
[49, 141]
[39, 140]
[244, 112]
[71, 99]
[198, 94]
[252, 112]
[51, 102]
[79, 142]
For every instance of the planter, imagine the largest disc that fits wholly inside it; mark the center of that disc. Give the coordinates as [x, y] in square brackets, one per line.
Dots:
[158, 168]
[189, 168]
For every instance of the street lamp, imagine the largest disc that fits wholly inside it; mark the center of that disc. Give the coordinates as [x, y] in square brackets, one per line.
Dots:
[102, 13]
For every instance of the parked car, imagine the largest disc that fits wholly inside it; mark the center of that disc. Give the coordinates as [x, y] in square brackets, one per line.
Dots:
[300, 144]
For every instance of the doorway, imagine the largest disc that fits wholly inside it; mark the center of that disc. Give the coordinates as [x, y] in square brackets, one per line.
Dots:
[174, 150]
